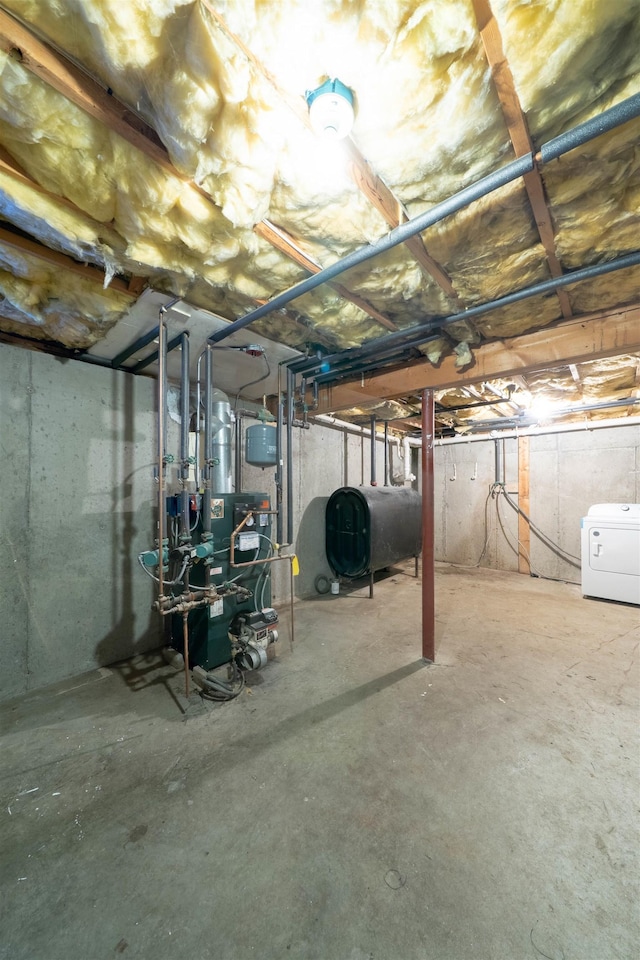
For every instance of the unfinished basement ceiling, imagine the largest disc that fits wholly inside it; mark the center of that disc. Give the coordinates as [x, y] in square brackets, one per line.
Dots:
[165, 144]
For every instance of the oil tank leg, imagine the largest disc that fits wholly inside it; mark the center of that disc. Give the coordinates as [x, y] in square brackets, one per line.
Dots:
[415, 569]
[371, 585]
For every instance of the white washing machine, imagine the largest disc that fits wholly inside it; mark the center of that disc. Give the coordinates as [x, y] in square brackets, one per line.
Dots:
[611, 552]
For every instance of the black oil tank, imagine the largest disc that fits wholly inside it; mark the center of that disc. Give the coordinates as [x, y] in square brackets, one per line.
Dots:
[368, 528]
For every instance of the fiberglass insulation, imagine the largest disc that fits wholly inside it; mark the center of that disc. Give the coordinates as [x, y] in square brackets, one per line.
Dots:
[428, 122]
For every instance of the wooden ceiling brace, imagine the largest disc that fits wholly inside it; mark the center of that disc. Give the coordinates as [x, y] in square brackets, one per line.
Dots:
[38, 346]
[8, 165]
[279, 238]
[604, 334]
[55, 69]
[368, 182]
[35, 249]
[132, 288]
[520, 138]
[386, 203]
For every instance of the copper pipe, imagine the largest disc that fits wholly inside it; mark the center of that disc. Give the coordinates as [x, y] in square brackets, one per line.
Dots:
[250, 563]
[185, 641]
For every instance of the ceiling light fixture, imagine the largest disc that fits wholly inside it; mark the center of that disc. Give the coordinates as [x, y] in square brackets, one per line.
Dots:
[331, 109]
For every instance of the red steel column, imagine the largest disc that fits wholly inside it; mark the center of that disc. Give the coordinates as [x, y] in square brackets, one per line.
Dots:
[428, 536]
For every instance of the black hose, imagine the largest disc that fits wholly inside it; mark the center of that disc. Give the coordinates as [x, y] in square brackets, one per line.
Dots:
[554, 547]
[219, 690]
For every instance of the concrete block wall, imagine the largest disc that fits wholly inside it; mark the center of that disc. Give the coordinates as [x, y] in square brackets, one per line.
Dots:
[77, 449]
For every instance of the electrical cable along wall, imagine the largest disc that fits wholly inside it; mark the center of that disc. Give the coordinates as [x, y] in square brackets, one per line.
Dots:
[477, 515]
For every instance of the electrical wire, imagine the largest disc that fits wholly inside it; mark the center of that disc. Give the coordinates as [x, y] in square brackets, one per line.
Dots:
[487, 530]
[556, 548]
[196, 521]
[167, 583]
[252, 383]
[263, 573]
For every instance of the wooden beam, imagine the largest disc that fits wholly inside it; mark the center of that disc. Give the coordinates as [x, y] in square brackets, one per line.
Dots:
[382, 198]
[38, 346]
[76, 85]
[61, 260]
[524, 530]
[8, 165]
[280, 239]
[520, 137]
[603, 334]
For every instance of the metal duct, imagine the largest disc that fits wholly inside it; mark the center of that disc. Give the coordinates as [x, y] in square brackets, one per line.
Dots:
[221, 472]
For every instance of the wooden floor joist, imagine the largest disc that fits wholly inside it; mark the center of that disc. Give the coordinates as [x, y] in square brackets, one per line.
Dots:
[520, 138]
[64, 262]
[603, 334]
[279, 238]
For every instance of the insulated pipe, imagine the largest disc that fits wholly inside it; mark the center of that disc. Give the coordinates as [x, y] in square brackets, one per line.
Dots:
[526, 420]
[162, 354]
[238, 452]
[428, 529]
[499, 178]
[279, 528]
[346, 366]
[208, 377]
[154, 356]
[586, 425]
[386, 454]
[614, 117]
[290, 413]
[374, 482]
[184, 435]
[414, 336]
[608, 120]
[499, 459]
[406, 447]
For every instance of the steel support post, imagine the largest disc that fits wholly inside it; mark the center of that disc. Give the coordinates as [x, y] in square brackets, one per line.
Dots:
[428, 538]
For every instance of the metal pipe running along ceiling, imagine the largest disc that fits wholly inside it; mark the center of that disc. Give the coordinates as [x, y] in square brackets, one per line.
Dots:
[614, 117]
[348, 360]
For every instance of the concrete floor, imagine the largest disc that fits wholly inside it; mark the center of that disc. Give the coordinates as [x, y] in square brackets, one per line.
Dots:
[353, 804]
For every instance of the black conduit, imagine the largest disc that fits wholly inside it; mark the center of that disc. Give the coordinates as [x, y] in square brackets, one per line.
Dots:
[386, 454]
[290, 413]
[279, 526]
[184, 435]
[374, 482]
[414, 336]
